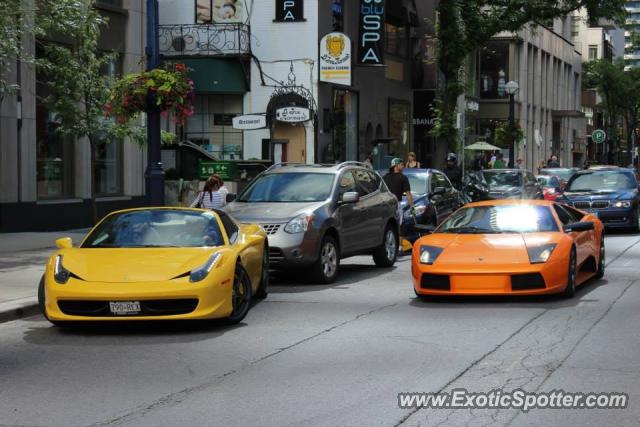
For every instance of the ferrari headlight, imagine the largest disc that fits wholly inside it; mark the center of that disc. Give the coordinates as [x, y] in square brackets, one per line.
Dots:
[299, 224]
[540, 254]
[201, 272]
[60, 274]
[622, 204]
[429, 254]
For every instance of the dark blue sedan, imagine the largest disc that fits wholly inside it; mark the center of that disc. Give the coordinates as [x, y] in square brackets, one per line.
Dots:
[612, 193]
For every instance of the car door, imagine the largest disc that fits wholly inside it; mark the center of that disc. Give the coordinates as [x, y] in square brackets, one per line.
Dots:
[440, 201]
[452, 194]
[371, 209]
[350, 215]
[581, 238]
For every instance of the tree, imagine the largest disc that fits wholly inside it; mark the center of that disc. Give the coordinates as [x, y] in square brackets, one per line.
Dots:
[467, 25]
[631, 107]
[78, 86]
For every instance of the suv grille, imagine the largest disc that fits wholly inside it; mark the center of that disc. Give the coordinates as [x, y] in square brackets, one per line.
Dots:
[271, 228]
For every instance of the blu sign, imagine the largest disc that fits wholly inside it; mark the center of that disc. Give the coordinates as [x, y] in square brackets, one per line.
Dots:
[371, 46]
[289, 11]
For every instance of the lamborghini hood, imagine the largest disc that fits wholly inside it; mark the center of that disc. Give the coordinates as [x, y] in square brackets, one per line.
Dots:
[133, 265]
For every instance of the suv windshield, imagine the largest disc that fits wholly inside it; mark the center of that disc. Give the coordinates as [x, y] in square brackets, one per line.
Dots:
[289, 187]
[602, 181]
[156, 229]
[503, 179]
[500, 219]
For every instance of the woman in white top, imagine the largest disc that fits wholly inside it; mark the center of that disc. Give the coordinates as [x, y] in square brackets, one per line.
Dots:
[211, 196]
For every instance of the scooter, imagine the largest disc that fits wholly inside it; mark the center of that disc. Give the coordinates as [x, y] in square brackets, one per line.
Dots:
[474, 189]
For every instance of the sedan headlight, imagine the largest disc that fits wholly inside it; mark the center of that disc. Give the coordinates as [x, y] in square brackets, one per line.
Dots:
[622, 204]
[429, 254]
[299, 224]
[201, 272]
[540, 254]
[420, 209]
[60, 274]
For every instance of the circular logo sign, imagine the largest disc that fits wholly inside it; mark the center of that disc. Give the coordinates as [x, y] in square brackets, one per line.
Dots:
[599, 136]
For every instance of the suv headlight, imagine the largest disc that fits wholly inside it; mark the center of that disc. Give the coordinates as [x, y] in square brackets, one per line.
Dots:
[429, 254]
[60, 274]
[299, 224]
[201, 272]
[622, 204]
[540, 254]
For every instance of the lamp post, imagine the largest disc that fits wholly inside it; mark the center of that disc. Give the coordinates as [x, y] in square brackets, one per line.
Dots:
[154, 175]
[512, 88]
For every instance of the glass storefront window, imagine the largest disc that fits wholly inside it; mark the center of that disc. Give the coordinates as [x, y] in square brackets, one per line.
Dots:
[337, 9]
[396, 39]
[399, 121]
[211, 126]
[345, 128]
[54, 158]
[494, 70]
[108, 169]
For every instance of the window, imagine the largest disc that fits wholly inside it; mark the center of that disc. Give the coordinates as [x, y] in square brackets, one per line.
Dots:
[337, 8]
[347, 183]
[230, 227]
[219, 11]
[396, 39]
[211, 126]
[399, 122]
[345, 128]
[575, 26]
[494, 70]
[565, 217]
[368, 182]
[593, 52]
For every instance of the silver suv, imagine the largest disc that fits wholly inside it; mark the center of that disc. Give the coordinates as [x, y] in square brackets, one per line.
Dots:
[315, 215]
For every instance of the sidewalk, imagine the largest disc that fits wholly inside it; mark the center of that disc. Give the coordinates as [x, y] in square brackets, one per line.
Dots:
[22, 260]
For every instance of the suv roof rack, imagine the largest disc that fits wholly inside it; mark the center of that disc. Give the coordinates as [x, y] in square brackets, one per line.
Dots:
[283, 164]
[353, 163]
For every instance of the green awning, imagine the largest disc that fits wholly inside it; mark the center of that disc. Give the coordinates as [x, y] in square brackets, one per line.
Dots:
[211, 75]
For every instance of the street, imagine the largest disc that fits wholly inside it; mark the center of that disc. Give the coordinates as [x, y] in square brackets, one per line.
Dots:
[336, 355]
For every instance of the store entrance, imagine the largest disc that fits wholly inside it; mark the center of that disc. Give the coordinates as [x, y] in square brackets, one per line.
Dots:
[293, 139]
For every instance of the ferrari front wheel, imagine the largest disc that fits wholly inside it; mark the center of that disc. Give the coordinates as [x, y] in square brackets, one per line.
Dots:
[570, 290]
[240, 295]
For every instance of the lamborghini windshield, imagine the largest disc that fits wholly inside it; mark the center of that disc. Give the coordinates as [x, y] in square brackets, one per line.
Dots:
[500, 219]
[156, 229]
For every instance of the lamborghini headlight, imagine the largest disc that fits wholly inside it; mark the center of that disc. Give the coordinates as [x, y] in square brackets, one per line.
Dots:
[203, 271]
[429, 254]
[540, 254]
[622, 204]
[60, 274]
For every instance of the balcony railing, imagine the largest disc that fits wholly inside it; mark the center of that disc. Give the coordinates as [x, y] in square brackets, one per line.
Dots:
[205, 40]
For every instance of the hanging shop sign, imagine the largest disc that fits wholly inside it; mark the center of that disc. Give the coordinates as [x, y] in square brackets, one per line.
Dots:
[250, 122]
[335, 59]
[371, 35]
[293, 114]
[289, 11]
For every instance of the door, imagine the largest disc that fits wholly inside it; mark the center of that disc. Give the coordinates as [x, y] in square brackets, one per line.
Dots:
[296, 137]
[349, 215]
[372, 208]
[582, 239]
[442, 202]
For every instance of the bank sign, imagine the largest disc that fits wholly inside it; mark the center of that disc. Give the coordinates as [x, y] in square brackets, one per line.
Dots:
[371, 36]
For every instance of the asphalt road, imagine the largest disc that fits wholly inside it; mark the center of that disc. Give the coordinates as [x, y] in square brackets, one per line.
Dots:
[336, 355]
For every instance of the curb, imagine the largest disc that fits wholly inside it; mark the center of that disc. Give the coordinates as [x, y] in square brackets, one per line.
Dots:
[18, 309]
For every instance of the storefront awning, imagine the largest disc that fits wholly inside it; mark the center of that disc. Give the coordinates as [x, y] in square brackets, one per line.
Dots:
[212, 75]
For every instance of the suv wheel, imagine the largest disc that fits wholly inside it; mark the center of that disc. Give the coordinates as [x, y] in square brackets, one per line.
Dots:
[385, 255]
[325, 268]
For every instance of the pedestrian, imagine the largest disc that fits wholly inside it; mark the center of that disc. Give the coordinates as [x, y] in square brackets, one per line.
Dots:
[453, 171]
[519, 163]
[399, 185]
[222, 189]
[478, 162]
[499, 163]
[553, 162]
[493, 159]
[369, 160]
[210, 197]
[412, 163]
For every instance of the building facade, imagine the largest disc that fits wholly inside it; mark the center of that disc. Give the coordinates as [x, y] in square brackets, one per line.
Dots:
[632, 57]
[45, 179]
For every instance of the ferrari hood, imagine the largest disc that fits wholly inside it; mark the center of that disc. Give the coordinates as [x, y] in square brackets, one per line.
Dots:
[479, 249]
[133, 265]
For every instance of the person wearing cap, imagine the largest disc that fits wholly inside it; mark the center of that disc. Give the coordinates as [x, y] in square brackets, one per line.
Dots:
[399, 185]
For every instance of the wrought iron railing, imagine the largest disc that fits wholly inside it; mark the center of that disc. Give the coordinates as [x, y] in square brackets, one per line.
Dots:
[205, 40]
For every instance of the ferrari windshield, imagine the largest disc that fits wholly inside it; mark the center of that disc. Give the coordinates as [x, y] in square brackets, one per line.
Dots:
[289, 187]
[500, 219]
[503, 178]
[602, 181]
[156, 229]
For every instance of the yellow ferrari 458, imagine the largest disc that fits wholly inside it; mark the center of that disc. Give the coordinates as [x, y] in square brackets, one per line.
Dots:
[157, 264]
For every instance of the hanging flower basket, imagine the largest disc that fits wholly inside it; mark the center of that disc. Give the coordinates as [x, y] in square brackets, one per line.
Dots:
[167, 89]
[505, 135]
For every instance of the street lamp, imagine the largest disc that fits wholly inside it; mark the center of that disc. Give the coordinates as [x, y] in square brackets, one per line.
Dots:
[512, 88]
[154, 175]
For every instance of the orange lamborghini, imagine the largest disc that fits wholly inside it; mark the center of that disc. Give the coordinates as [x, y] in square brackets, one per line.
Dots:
[514, 247]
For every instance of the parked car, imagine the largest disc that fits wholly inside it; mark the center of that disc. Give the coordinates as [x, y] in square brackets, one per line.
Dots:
[611, 192]
[316, 215]
[564, 174]
[434, 198]
[512, 184]
[551, 186]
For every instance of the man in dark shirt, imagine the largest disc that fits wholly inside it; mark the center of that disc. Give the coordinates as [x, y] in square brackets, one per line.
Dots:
[398, 184]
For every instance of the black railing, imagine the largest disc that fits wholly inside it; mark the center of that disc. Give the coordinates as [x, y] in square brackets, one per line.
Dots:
[205, 40]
